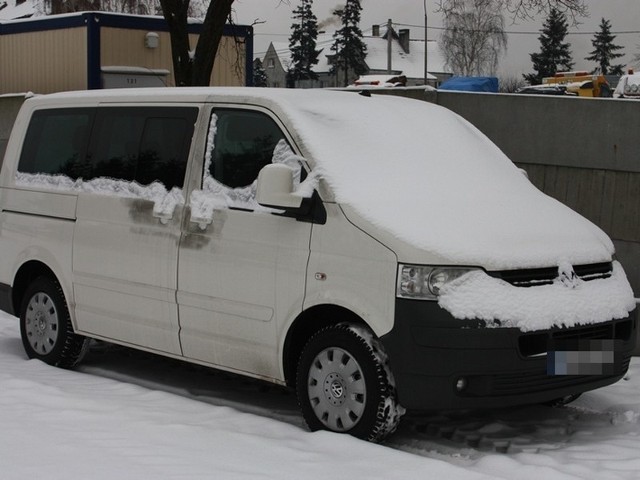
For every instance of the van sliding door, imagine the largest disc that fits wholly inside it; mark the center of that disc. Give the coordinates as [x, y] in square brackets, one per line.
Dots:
[125, 248]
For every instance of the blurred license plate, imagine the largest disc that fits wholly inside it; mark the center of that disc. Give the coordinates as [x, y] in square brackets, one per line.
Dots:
[583, 357]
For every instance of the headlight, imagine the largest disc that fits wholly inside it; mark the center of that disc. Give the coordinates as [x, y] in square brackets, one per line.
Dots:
[425, 282]
[634, 88]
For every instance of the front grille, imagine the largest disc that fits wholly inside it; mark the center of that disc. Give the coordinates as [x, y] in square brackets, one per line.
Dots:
[532, 277]
[532, 344]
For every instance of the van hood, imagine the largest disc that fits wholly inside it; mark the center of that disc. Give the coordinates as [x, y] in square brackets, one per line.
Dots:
[435, 188]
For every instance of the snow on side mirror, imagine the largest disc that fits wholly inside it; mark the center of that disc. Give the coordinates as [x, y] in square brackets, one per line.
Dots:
[275, 187]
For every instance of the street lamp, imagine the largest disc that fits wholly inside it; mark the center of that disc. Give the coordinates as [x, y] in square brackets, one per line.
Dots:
[426, 45]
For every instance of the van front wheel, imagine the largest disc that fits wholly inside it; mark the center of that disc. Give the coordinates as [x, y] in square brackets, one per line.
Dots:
[45, 325]
[344, 384]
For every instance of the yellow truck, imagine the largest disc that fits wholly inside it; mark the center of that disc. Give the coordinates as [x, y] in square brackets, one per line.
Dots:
[580, 83]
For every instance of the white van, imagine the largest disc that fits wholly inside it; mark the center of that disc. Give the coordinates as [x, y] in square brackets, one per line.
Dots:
[378, 254]
[628, 86]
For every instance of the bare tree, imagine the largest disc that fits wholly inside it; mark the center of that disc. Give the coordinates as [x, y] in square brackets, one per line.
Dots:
[473, 39]
[511, 83]
[528, 9]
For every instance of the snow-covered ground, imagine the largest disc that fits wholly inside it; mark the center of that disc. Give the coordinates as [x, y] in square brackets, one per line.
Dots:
[128, 415]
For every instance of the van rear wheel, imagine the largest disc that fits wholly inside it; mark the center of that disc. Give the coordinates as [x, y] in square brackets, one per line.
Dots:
[45, 325]
[344, 384]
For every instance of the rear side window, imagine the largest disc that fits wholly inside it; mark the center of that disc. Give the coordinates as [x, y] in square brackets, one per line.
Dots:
[141, 144]
[56, 140]
[144, 145]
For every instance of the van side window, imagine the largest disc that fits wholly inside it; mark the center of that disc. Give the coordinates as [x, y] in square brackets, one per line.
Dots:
[142, 144]
[244, 143]
[56, 140]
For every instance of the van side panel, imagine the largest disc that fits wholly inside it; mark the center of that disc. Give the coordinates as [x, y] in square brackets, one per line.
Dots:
[124, 272]
[351, 269]
[239, 279]
[37, 226]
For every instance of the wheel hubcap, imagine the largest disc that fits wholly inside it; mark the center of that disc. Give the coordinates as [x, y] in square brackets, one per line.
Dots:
[41, 323]
[337, 390]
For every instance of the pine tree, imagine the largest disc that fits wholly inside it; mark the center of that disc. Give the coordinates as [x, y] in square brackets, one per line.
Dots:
[302, 43]
[350, 50]
[554, 53]
[259, 74]
[605, 50]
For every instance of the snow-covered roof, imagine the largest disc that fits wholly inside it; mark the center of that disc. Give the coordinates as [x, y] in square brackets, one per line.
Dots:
[12, 11]
[323, 43]
[411, 64]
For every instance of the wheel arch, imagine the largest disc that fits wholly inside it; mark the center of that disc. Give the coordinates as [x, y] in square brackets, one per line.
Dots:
[25, 275]
[305, 326]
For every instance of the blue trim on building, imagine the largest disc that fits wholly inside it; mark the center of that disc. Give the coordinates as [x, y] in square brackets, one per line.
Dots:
[52, 22]
[94, 75]
[93, 21]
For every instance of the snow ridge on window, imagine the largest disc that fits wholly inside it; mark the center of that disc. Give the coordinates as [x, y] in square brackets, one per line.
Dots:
[215, 195]
[164, 203]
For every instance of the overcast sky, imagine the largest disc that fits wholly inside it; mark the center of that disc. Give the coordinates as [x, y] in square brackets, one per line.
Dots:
[623, 14]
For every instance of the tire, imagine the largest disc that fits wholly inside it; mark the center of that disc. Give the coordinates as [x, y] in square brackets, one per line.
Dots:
[45, 325]
[344, 384]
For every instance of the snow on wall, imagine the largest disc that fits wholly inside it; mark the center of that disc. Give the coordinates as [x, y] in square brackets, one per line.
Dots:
[567, 302]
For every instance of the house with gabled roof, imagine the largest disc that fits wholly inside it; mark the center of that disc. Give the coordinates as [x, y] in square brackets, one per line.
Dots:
[407, 58]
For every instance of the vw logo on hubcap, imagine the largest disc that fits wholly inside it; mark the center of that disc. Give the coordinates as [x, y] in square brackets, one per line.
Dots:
[337, 390]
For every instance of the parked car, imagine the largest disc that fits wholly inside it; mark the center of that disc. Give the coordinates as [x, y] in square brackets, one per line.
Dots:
[543, 89]
[380, 81]
[376, 254]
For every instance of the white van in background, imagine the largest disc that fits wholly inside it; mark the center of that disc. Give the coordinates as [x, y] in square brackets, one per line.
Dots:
[376, 254]
[628, 86]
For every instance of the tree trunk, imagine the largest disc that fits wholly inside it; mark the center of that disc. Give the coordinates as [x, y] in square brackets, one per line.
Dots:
[194, 69]
[175, 13]
[209, 40]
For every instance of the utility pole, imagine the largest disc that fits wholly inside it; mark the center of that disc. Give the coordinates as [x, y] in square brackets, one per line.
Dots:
[426, 45]
[389, 40]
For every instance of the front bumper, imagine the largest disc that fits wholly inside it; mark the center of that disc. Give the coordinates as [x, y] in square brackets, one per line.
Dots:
[430, 353]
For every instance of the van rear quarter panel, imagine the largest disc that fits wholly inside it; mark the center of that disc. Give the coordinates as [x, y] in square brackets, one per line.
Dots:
[37, 226]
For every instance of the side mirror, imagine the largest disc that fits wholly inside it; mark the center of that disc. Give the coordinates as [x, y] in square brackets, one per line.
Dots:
[275, 187]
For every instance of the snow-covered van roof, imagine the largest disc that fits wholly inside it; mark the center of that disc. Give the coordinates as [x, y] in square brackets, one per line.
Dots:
[415, 170]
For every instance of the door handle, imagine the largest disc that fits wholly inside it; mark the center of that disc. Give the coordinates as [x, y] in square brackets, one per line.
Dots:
[164, 217]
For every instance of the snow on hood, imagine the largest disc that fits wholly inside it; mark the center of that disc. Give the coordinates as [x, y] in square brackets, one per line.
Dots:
[431, 179]
[476, 295]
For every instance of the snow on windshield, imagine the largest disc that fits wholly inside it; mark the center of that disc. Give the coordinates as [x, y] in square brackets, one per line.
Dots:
[433, 180]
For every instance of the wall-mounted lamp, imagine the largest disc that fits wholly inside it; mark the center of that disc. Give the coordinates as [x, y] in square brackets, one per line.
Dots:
[151, 40]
